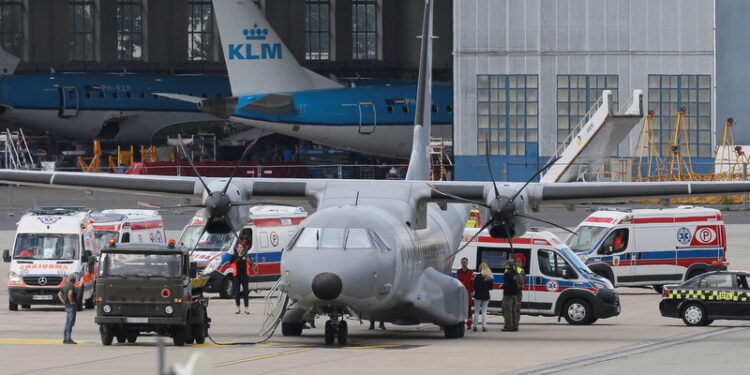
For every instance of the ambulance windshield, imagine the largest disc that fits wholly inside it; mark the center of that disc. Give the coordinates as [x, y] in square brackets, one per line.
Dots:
[47, 246]
[585, 238]
[207, 242]
[142, 265]
[103, 236]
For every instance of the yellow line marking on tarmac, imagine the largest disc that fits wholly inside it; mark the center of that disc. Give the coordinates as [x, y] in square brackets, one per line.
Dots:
[13, 341]
[261, 357]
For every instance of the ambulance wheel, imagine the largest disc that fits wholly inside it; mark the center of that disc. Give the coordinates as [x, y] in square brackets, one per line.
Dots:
[227, 287]
[658, 288]
[292, 329]
[694, 274]
[107, 334]
[180, 335]
[694, 314]
[12, 306]
[454, 331]
[343, 332]
[577, 312]
[330, 332]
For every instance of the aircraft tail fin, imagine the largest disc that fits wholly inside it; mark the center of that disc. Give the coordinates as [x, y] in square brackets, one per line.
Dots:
[419, 162]
[8, 62]
[257, 60]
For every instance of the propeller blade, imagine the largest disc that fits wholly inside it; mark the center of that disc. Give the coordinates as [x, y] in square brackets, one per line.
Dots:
[190, 161]
[456, 197]
[547, 222]
[237, 166]
[544, 167]
[474, 237]
[149, 205]
[489, 165]
[507, 233]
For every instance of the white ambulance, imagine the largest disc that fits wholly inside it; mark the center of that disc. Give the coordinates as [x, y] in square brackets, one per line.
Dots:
[557, 282]
[268, 230]
[651, 247]
[50, 244]
[127, 226]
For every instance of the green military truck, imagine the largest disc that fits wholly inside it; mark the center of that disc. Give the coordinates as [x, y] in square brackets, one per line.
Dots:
[147, 287]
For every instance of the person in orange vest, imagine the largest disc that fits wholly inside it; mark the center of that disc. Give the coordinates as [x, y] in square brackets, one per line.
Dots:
[466, 277]
[241, 269]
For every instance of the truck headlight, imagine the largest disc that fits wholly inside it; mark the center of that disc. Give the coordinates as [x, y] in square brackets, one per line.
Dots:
[14, 278]
[169, 309]
[212, 265]
[107, 309]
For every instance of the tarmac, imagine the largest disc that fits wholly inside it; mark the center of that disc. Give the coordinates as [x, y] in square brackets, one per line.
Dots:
[637, 341]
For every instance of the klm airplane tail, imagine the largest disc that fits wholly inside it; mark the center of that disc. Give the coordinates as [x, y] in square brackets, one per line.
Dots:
[257, 60]
[419, 162]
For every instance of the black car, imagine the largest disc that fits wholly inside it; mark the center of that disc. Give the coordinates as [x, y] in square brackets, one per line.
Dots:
[713, 295]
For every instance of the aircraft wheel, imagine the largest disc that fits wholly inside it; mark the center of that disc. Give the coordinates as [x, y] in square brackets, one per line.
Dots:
[343, 332]
[330, 332]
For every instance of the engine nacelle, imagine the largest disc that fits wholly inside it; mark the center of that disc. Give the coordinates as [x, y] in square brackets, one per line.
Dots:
[516, 227]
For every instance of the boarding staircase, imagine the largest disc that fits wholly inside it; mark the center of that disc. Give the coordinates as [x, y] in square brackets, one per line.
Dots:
[597, 136]
[442, 165]
[15, 150]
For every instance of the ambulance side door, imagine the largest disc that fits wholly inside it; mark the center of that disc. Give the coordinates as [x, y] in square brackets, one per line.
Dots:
[618, 249]
[552, 276]
[495, 257]
[658, 246]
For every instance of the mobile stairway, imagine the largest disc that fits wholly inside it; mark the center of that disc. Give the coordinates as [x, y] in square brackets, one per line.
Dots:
[594, 139]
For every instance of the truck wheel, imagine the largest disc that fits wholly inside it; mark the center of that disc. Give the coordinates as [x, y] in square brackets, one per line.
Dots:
[577, 312]
[12, 306]
[693, 314]
[131, 338]
[179, 335]
[292, 329]
[199, 333]
[453, 331]
[120, 338]
[106, 333]
[227, 287]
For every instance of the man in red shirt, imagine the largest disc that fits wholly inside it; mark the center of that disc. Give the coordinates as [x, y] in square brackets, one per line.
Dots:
[466, 277]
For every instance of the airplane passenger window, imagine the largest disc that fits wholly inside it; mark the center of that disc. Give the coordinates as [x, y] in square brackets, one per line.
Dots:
[143, 95]
[405, 109]
[115, 95]
[332, 238]
[129, 95]
[308, 238]
[101, 95]
[449, 108]
[389, 109]
[357, 239]
[434, 108]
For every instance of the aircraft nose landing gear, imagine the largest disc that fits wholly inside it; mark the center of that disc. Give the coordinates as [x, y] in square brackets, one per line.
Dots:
[334, 329]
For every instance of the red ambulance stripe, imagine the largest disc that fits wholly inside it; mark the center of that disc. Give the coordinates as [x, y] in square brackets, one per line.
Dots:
[267, 269]
[105, 227]
[276, 222]
[520, 241]
[687, 219]
[599, 220]
[143, 225]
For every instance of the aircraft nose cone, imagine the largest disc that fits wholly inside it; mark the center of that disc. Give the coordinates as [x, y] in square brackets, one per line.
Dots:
[326, 286]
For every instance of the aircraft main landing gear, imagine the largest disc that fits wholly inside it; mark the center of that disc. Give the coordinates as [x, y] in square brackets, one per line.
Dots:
[336, 330]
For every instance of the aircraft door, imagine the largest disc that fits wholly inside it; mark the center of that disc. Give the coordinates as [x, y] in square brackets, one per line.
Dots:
[368, 118]
[69, 104]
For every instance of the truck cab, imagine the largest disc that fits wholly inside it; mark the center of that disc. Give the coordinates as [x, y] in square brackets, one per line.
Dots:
[651, 247]
[144, 287]
[128, 226]
[268, 230]
[50, 244]
[557, 282]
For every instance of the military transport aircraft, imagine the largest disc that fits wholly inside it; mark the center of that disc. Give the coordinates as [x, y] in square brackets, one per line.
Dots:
[375, 249]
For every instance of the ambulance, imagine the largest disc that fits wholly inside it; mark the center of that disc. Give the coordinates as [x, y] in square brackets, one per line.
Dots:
[126, 226]
[557, 282]
[651, 247]
[268, 230]
[50, 244]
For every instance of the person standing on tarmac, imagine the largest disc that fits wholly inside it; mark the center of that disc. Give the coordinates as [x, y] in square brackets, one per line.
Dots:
[512, 287]
[241, 267]
[482, 286]
[466, 277]
[67, 296]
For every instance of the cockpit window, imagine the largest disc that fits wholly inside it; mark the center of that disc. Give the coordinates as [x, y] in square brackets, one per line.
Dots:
[378, 241]
[308, 238]
[332, 238]
[357, 239]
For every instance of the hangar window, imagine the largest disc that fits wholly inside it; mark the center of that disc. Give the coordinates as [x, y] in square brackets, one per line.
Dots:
[12, 18]
[667, 94]
[81, 18]
[130, 30]
[365, 29]
[200, 30]
[507, 113]
[576, 94]
[317, 30]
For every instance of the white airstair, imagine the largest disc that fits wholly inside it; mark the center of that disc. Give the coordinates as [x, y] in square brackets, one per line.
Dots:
[594, 139]
[15, 150]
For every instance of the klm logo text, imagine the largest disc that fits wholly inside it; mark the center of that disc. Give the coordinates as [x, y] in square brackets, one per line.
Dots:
[268, 51]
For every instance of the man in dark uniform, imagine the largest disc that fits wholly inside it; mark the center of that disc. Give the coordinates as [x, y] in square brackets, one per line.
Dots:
[242, 268]
[512, 286]
[67, 296]
[466, 277]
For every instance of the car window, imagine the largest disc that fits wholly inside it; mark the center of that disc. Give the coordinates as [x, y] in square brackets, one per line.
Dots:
[716, 281]
[742, 282]
[616, 242]
[552, 264]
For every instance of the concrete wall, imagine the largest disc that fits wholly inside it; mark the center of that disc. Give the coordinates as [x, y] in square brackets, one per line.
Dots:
[166, 38]
[630, 38]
